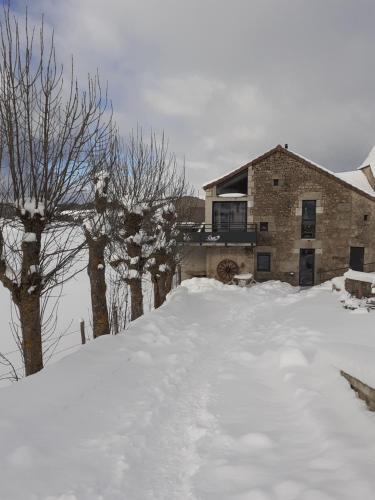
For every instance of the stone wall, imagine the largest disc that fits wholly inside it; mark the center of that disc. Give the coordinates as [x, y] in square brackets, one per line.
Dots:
[364, 391]
[193, 261]
[282, 206]
[243, 256]
[359, 289]
[340, 221]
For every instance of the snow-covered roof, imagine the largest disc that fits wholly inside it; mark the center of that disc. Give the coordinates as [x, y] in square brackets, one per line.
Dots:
[369, 161]
[310, 161]
[356, 178]
[231, 173]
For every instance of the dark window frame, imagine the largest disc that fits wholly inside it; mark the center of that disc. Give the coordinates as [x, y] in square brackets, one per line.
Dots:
[267, 268]
[357, 258]
[223, 227]
[304, 270]
[240, 180]
[276, 182]
[263, 226]
[308, 222]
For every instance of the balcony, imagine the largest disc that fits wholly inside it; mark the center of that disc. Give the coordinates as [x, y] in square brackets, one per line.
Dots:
[216, 235]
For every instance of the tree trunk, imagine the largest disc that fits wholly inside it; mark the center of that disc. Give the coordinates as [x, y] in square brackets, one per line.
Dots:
[169, 280]
[98, 287]
[29, 309]
[29, 297]
[136, 298]
[159, 290]
[157, 297]
[179, 274]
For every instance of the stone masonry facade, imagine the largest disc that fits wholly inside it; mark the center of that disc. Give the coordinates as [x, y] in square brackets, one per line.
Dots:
[278, 183]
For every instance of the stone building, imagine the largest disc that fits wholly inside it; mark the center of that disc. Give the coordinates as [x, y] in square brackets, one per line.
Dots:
[284, 217]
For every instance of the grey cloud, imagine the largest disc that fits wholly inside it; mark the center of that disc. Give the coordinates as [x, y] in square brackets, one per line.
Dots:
[228, 80]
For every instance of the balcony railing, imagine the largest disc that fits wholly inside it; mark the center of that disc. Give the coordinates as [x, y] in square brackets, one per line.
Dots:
[218, 234]
[308, 230]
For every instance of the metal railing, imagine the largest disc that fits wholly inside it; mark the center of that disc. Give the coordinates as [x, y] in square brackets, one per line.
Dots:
[217, 227]
[308, 230]
[217, 233]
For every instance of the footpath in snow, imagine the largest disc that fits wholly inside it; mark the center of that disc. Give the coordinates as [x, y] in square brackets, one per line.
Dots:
[224, 393]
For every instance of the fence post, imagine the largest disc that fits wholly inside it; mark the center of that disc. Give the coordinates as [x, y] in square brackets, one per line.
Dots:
[82, 328]
[115, 320]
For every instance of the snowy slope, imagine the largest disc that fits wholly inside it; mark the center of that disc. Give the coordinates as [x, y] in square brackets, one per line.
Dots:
[222, 394]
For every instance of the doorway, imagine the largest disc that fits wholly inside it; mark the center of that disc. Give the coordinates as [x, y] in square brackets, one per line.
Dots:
[357, 258]
[306, 266]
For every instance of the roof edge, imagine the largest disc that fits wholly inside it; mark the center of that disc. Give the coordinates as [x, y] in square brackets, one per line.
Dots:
[240, 169]
[296, 156]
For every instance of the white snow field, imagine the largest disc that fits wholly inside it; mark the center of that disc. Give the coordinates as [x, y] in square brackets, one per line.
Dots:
[224, 393]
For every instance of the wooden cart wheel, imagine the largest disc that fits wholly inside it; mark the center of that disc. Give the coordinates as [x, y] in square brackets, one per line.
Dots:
[226, 269]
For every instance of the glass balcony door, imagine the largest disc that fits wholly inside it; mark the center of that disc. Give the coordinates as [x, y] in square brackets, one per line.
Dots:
[229, 216]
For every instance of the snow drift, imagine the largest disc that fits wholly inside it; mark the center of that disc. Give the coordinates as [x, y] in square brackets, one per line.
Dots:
[223, 393]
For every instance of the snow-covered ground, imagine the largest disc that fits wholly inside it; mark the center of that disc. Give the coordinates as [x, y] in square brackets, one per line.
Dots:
[224, 393]
[74, 305]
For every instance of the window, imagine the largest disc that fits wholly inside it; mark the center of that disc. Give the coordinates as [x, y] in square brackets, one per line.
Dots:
[264, 262]
[229, 216]
[276, 182]
[263, 226]
[236, 185]
[365, 217]
[308, 219]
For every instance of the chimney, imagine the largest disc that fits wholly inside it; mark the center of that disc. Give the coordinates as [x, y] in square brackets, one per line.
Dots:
[286, 146]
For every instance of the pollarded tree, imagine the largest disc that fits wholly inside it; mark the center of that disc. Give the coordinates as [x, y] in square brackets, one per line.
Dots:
[129, 221]
[146, 179]
[163, 255]
[48, 129]
[96, 227]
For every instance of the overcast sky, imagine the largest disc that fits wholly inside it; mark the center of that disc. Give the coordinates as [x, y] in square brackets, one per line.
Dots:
[229, 79]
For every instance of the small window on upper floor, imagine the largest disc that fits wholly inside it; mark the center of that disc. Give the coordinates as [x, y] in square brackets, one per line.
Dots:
[366, 217]
[263, 226]
[275, 182]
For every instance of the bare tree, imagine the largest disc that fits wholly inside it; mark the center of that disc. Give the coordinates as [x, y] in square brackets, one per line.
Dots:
[96, 228]
[48, 129]
[161, 264]
[149, 181]
[164, 256]
[132, 185]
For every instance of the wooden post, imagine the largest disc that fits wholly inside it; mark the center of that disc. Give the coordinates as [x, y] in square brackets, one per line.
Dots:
[179, 275]
[82, 328]
[115, 320]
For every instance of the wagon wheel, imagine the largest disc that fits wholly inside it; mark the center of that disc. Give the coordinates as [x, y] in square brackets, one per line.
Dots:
[226, 269]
